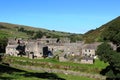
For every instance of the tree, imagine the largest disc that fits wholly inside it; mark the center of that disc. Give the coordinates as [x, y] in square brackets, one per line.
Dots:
[31, 33]
[104, 51]
[106, 54]
[75, 37]
[21, 29]
[112, 33]
[3, 44]
[39, 34]
[116, 39]
[28, 32]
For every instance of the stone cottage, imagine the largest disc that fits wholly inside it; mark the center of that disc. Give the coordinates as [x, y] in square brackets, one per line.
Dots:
[72, 52]
[38, 49]
[13, 46]
[88, 52]
[89, 49]
[11, 50]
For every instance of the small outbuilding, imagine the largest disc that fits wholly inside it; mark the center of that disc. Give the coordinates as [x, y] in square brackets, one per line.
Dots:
[87, 60]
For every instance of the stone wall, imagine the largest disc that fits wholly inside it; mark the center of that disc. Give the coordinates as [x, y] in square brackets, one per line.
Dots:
[66, 72]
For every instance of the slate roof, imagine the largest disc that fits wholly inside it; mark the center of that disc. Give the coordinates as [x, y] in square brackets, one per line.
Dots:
[12, 46]
[91, 46]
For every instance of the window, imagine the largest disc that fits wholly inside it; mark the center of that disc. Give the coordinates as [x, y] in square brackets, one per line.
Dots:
[47, 41]
[40, 53]
[89, 50]
[89, 55]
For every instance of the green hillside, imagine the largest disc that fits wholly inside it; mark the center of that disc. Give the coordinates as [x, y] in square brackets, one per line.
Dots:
[8, 30]
[100, 33]
[14, 30]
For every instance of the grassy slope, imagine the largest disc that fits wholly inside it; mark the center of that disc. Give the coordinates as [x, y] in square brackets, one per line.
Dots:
[90, 68]
[9, 73]
[31, 74]
[95, 35]
[11, 30]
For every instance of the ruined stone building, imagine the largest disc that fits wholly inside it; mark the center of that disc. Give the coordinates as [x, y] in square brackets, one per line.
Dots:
[49, 47]
[71, 50]
[35, 48]
[13, 44]
[11, 47]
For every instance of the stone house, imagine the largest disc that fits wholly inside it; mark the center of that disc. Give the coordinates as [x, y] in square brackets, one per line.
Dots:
[73, 48]
[56, 47]
[89, 49]
[11, 50]
[72, 52]
[34, 49]
[13, 45]
[54, 44]
[88, 52]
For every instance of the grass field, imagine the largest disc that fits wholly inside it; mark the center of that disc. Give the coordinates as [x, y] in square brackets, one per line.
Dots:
[9, 73]
[52, 63]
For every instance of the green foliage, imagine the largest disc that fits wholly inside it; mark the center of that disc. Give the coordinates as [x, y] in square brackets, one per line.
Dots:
[55, 64]
[112, 32]
[39, 34]
[21, 29]
[109, 32]
[106, 54]
[15, 73]
[28, 32]
[51, 35]
[110, 74]
[20, 76]
[116, 38]
[2, 27]
[104, 51]
[3, 44]
[75, 37]
[13, 30]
